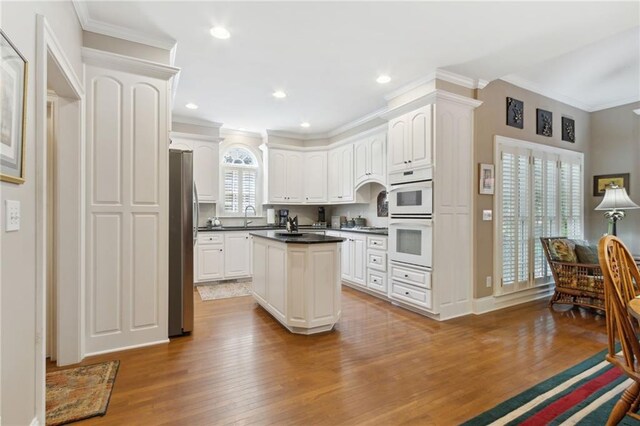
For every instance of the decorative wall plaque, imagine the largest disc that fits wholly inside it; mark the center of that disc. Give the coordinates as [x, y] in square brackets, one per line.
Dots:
[568, 129]
[544, 122]
[515, 113]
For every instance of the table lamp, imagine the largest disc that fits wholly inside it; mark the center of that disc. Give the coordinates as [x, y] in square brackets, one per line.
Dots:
[614, 202]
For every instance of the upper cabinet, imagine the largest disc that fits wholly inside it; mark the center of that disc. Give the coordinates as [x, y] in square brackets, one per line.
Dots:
[206, 164]
[370, 161]
[315, 177]
[341, 188]
[410, 140]
[285, 180]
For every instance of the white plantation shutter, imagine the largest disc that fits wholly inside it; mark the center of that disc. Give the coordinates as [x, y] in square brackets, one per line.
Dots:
[248, 189]
[241, 174]
[231, 192]
[539, 194]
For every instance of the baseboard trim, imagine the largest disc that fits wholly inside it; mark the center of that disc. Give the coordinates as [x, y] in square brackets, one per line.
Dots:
[126, 348]
[494, 303]
[365, 290]
[34, 422]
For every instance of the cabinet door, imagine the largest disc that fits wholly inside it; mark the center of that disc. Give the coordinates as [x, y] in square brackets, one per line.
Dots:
[205, 170]
[238, 255]
[398, 142]
[361, 161]
[420, 139]
[294, 178]
[359, 259]
[345, 261]
[346, 173]
[315, 177]
[277, 176]
[334, 187]
[377, 158]
[210, 262]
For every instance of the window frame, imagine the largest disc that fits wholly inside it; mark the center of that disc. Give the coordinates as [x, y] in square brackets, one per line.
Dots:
[531, 150]
[224, 167]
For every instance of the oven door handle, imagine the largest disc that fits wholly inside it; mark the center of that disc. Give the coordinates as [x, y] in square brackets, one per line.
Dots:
[412, 186]
[411, 222]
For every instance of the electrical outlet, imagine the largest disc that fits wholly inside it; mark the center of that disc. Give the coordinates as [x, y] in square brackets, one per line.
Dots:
[487, 215]
[487, 282]
[12, 215]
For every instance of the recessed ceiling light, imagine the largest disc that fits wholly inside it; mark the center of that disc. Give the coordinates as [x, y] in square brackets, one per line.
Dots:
[191, 106]
[383, 79]
[279, 94]
[305, 124]
[220, 32]
[242, 129]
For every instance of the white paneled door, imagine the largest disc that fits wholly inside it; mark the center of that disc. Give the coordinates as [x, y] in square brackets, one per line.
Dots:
[127, 209]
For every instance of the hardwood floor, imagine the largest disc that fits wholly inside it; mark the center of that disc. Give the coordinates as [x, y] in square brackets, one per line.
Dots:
[382, 365]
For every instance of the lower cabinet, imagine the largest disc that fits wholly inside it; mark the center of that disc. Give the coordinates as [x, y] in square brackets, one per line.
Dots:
[210, 262]
[363, 265]
[237, 263]
[222, 255]
[411, 285]
[354, 262]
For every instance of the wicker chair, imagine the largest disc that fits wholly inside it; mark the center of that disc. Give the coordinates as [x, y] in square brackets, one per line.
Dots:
[580, 284]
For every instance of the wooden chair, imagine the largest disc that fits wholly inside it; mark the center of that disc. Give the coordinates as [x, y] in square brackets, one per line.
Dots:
[620, 271]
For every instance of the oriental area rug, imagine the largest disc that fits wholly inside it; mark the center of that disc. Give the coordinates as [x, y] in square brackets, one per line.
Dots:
[79, 393]
[224, 290]
[582, 395]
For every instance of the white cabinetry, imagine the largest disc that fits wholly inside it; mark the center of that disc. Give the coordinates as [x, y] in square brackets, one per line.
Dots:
[222, 255]
[410, 140]
[370, 162]
[341, 188]
[285, 176]
[354, 258]
[315, 177]
[237, 263]
[205, 162]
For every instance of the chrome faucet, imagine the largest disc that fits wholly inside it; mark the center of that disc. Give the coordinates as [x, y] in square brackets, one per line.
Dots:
[245, 214]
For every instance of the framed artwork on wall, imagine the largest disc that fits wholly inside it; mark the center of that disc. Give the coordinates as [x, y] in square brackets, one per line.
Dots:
[487, 179]
[600, 182]
[568, 129]
[544, 122]
[515, 113]
[13, 111]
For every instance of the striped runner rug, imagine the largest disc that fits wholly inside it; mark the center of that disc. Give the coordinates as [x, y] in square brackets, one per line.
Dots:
[581, 395]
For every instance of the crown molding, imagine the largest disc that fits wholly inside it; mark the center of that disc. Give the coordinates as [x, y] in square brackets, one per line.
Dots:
[128, 64]
[236, 132]
[410, 86]
[637, 111]
[616, 103]
[195, 136]
[298, 136]
[95, 26]
[357, 122]
[541, 90]
[195, 121]
[438, 74]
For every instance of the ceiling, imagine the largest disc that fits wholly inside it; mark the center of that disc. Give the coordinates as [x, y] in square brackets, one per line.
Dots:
[327, 55]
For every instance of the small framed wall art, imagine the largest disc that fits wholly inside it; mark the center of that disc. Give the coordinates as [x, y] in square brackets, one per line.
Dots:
[487, 179]
[544, 122]
[600, 182]
[515, 113]
[13, 111]
[568, 129]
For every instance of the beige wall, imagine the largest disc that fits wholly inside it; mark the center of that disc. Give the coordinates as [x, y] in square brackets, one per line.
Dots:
[18, 263]
[615, 148]
[490, 120]
[125, 47]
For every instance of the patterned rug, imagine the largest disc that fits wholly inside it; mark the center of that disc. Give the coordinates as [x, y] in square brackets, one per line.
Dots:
[79, 393]
[224, 290]
[582, 395]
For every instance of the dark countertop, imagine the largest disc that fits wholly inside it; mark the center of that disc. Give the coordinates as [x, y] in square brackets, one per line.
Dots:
[302, 239]
[303, 228]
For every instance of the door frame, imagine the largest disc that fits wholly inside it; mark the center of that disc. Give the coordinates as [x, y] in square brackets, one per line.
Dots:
[70, 247]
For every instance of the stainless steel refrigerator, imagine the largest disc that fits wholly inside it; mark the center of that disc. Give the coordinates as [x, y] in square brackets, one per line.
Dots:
[183, 229]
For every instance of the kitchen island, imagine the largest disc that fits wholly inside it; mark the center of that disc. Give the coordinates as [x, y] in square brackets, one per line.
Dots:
[297, 279]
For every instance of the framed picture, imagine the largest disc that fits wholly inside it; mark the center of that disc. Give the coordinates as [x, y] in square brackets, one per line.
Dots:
[544, 122]
[515, 113]
[601, 182]
[487, 181]
[568, 130]
[13, 110]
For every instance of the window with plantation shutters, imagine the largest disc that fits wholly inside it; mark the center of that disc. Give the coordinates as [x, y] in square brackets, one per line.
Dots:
[538, 194]
[240, 181]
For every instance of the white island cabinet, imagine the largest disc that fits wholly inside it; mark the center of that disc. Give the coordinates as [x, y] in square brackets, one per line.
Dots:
[297, 280]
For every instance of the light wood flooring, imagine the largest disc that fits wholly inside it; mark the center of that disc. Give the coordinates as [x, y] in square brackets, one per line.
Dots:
[382, 365]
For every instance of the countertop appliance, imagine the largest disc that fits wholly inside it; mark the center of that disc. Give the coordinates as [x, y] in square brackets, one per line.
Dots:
[271, 217]
[283, 215]
[321, 217]
[183, 233]
[337, 221]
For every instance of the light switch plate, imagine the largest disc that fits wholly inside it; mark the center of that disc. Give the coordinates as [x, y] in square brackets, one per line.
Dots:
[487, 215]
[12, 215]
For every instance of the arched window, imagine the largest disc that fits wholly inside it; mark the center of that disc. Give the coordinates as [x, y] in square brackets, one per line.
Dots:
[240, 176]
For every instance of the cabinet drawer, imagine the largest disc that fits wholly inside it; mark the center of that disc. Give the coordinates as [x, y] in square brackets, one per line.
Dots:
[412, 276]
[210, 238]
[377, 260]
[377, 281]
[409, 293]
[379, 243]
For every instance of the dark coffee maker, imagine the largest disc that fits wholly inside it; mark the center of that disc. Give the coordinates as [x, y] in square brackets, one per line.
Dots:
[283, 215]
[321, 217]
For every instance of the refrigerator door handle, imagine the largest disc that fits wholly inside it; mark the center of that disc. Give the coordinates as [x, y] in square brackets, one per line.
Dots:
[196, 213]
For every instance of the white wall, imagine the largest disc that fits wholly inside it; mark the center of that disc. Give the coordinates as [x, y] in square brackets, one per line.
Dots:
[18, 262]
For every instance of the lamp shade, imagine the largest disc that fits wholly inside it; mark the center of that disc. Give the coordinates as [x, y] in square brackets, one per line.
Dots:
[616, 198]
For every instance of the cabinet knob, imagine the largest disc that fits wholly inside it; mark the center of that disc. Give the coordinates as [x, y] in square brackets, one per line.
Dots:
[409, 160]
[406, 276]
[220, 249]
[406, 292]
[405, 162]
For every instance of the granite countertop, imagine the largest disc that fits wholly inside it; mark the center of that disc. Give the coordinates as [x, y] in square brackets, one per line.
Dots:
[305, 238]
[370, 230]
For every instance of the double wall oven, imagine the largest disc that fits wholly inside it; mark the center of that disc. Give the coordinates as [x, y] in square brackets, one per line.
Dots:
[410, 218]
